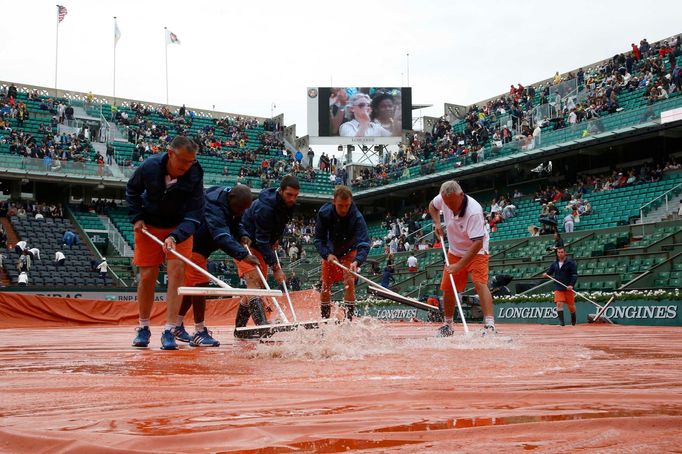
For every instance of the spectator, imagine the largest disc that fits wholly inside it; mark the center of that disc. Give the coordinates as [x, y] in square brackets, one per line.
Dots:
[311, 157]
[387, 277]
[569, 223]
[103, 267]
[293, 252]
[412, 264]
[24, 262]
[34, 253]
[110, 154]
[70, 239]
[294, 282]
[509, 211]
[68, 112]
[59, 258]
[20, 247]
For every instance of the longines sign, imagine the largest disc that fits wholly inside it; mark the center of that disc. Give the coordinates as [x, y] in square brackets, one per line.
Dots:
[627, 312]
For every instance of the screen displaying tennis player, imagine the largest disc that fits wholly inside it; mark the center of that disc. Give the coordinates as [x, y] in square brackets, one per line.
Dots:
[365, 112]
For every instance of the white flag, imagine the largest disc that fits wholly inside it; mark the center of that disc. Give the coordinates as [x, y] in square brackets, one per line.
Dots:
[171, 38]
[117, 33]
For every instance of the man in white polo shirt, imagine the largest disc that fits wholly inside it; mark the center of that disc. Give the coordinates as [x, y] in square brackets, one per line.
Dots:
[468, 251]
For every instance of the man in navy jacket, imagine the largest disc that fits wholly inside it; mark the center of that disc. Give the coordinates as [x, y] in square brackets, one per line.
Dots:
[340, 235]
[564, 270]
[219, 229]
[165, 195]
[264, 223]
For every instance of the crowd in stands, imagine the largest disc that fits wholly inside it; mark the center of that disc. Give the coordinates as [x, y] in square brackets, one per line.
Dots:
[513, 117]
[501, 208]
[226, 139]
[99, 206]
[54, 149]
[575, 195]
[33, 209]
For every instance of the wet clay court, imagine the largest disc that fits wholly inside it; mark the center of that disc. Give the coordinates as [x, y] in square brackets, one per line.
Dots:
[372, 386]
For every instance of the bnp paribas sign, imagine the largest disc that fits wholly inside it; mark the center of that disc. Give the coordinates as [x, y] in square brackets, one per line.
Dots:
[634, 312]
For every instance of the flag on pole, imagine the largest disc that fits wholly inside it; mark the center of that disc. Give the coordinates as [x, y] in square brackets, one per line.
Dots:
[117, 33]
[171, 38]
[61, 12]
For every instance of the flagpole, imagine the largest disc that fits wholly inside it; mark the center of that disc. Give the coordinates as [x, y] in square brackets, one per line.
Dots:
[115, 28]
[165, 40]
[56, 55]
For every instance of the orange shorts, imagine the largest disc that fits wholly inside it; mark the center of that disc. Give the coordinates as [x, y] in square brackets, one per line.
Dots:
[148, 253]
[244, 267]
[332, 273]
[564, 296]
[192, 277]
[477, 267]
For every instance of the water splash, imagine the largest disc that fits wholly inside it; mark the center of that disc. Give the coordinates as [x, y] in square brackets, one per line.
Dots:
[368, 336]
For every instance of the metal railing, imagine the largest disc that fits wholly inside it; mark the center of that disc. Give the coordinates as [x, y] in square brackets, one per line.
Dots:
[318, 269]
[667, 194]
[116, 239]
[53, 167]
[93, 247]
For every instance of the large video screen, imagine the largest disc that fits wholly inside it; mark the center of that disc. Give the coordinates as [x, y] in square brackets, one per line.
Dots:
[341, 115]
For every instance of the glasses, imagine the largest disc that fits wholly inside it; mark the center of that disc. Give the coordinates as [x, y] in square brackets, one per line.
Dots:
[362, 105]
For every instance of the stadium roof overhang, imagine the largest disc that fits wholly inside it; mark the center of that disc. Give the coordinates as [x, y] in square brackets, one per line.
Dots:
[107, 182]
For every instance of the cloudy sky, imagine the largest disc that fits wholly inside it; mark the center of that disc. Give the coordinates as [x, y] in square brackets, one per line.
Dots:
[244, 56]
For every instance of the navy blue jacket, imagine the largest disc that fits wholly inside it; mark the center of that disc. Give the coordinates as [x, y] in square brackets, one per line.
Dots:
[220, 229]
[265, 222]
[181, 205]
[567, 274]
[340, 235]
[386, 278]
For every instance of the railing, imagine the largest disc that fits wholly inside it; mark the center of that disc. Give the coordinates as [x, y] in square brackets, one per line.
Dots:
[667, 194]
[318, 269]
[81, 98]
[92, 247]
[116, 239]
[49, 167]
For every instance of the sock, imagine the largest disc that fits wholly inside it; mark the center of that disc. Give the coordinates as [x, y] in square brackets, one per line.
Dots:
[168, 327]
[179, 320]
[144, 323]
[573, 318]
[199, 327]
[489, 320]
[325, 309]
[349, 307]
[561, 316]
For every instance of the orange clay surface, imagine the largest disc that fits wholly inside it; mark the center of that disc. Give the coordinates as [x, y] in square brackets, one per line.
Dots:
[372, 386]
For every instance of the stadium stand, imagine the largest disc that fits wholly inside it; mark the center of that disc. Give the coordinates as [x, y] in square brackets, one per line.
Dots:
[609, 96]
[47, 234]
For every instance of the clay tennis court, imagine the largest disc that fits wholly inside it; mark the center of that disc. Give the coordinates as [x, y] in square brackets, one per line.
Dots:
[369, 386]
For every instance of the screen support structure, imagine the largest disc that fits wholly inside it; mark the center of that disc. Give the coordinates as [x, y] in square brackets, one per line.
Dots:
[371, 154]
